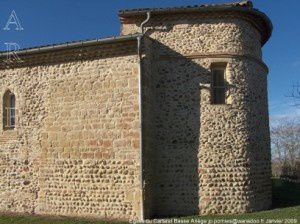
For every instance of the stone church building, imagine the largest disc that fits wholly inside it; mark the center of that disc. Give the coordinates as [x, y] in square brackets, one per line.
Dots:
[170, 118]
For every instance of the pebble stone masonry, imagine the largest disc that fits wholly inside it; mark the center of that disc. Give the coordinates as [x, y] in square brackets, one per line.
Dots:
[84, 144]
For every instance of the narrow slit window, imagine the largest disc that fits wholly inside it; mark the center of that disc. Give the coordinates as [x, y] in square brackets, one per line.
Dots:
[9, 110]
[218, 85]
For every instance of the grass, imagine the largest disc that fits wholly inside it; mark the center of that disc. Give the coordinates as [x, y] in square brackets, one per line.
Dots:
[286, 206]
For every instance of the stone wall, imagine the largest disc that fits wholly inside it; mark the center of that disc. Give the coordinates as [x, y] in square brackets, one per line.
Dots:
[75, 149]
[208, 158]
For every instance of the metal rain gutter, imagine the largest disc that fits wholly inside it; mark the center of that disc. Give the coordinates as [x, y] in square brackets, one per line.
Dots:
[139, 41]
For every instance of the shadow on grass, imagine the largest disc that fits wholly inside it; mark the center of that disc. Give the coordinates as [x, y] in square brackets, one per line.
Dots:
[285, 194]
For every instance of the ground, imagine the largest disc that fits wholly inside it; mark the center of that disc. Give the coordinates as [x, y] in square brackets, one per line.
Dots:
[286, 209]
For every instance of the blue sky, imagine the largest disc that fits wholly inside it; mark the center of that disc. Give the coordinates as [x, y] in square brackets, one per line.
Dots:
[56, 21]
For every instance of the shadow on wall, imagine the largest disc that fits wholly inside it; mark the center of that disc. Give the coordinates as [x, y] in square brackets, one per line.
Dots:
[176, 113]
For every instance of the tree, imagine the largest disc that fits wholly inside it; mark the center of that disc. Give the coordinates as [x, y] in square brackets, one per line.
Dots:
[285, 140]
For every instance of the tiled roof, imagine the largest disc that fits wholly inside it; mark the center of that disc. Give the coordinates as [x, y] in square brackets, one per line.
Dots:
[244, 4]
[78, 43]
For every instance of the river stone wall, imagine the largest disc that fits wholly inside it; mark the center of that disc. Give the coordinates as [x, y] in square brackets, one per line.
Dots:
[75, 148]
[209, 159]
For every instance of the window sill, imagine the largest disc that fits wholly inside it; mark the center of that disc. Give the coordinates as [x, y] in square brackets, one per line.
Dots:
[220, 105]
[9, 129]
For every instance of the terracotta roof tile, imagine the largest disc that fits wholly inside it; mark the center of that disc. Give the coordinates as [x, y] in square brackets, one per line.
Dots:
[244, 4]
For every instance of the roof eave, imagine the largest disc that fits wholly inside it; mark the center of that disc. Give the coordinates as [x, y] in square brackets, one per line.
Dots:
[44, 49]
[227, 8]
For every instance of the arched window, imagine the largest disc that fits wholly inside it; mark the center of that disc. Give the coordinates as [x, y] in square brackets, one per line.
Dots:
[9, 110]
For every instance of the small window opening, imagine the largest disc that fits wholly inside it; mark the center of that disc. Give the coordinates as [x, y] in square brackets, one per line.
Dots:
[9, 110]
[218, 84]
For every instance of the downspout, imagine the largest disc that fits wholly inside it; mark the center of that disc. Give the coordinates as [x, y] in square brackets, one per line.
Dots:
[139, 42]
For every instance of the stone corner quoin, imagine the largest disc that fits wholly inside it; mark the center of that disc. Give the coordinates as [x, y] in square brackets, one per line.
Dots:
[128, 127]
